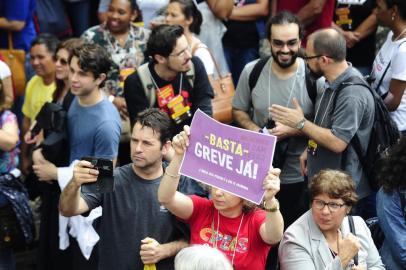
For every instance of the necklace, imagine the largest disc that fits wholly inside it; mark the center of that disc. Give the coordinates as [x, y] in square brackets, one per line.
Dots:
[216, 233]
[400, 35]
[292, 88]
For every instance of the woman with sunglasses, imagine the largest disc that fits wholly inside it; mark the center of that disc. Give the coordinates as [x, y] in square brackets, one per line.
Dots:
[321, 238]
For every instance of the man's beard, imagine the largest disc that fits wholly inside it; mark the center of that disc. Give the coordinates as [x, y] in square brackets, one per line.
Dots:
[315, 75]
[284, 64]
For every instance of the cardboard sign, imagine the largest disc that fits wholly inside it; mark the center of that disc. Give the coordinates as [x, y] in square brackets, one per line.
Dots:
[232, 159]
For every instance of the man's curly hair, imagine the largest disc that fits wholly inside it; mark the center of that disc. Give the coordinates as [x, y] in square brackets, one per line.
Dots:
[392, 173]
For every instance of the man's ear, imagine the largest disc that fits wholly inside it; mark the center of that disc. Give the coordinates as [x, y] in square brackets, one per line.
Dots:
[160, 59]
[101, 78]
[166, 148]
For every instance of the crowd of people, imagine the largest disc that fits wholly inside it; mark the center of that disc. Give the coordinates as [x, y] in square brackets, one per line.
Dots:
[118, 98]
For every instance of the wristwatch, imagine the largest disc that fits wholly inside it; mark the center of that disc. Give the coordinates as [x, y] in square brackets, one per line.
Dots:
[272, 208]
[300, 124]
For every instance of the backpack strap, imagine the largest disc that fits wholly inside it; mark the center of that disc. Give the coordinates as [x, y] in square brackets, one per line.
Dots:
[351, 81]
[149, 88]
[311, 84]
[352, 230]
[256, 71]
[190, 75]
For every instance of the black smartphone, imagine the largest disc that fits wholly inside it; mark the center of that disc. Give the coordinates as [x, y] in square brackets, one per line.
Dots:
[105, 179]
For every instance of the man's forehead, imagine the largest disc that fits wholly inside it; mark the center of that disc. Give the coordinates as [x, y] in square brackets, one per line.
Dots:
[153, 134]
[285, 31]
[181, 43]
[309, 45]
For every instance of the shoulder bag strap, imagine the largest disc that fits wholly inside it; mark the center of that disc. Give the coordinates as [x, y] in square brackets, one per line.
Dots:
[10, 41]
[202, 46]
[383, 96]
[352, 230]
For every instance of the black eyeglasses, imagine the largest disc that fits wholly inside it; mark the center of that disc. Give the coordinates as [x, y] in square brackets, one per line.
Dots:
[332, 206]
[307, 58]
[182, 52]
[312, 57]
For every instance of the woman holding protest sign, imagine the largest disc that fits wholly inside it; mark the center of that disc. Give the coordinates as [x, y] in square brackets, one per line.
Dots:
[226, 222]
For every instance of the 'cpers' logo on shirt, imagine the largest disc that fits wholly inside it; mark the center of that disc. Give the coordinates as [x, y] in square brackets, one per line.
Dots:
[225, 242]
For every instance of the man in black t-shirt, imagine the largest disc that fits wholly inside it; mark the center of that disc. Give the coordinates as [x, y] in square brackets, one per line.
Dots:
[173, 81]
[134, 228]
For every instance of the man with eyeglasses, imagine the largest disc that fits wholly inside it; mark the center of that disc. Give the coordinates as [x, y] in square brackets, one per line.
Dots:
[340, 114]
[172, 81]
[281, 78]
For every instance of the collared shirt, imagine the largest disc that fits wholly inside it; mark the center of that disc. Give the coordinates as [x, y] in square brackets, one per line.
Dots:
[346, 113]
[126, 58]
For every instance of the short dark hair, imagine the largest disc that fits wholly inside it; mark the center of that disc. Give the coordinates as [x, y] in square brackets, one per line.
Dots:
[163, 40]
[329, 42]
[401, 4]
[50, 42]
[334, 183]
[190, 10]
[284, 17]
[93, 58]
[158, 120]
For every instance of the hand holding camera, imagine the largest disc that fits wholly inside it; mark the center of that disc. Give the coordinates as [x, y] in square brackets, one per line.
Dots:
[95, 175]
[83, 173]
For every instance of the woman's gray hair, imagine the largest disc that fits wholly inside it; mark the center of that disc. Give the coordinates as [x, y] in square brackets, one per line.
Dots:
[201, 257]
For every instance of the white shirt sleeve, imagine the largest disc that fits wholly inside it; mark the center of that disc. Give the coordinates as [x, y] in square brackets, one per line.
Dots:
[398, 63]
[4, 70]
[206, 58]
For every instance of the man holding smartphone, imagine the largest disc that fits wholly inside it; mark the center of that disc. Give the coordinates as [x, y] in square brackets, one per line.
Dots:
[135, 229]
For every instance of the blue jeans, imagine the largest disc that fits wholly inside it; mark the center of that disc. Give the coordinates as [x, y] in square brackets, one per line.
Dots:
[237, 59]
[7, 259]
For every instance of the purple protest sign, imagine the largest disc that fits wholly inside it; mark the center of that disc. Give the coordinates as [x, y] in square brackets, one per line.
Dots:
[232, 159]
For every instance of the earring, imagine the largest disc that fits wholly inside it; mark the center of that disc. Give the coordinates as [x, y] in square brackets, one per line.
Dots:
[393, 18]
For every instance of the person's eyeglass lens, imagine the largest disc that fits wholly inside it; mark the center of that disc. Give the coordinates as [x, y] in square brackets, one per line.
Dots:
[332, 206]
